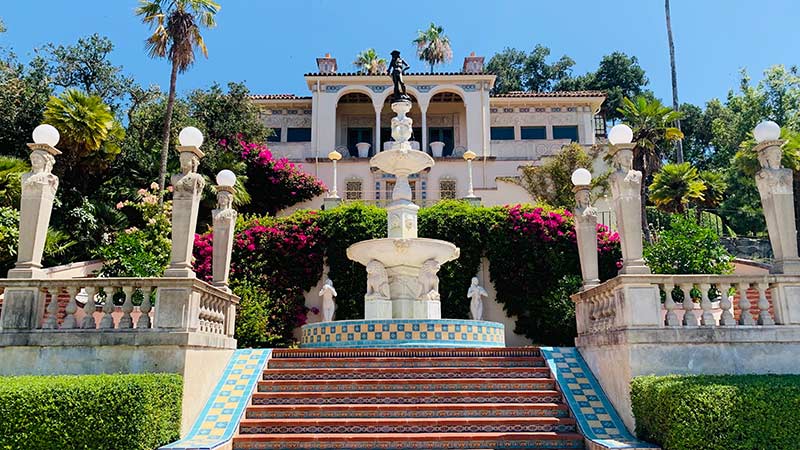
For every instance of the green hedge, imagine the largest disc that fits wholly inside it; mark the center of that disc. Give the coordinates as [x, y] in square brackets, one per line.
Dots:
[97, 412]
[726, 412]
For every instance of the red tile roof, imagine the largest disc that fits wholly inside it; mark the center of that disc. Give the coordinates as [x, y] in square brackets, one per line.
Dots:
[514, 94]
[359, 74]
[278, 97]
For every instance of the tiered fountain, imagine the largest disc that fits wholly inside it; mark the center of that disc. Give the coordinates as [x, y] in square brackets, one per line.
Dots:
[402, 306]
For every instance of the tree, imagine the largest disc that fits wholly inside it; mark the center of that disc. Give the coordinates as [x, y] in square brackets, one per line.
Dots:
[518, 71]
[674, 73]
[11, 170]
[716, 186]
[176, 36]
[551, 182]
[368, 62]
[620, 76]
[676, 186]
[85, 66]
[651, 123]
[433, 46]
[23, 96]
[2, 26]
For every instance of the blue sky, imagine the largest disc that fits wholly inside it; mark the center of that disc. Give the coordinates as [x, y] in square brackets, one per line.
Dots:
[270, 44]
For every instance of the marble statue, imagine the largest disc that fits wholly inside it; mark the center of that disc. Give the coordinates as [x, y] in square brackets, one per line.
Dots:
[584, 208]
[397, 68]
[188, 181]
[328, 305]
[626, 185]
[429, 281]
[41, 173]
[476, 294]
[377, 281]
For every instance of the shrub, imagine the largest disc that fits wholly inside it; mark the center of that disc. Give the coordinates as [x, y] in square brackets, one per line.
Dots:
[744, 412]
[90, 411]
[687, 248]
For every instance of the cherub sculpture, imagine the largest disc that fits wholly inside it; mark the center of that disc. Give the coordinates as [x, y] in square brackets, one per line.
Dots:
[429, 281]
[377, 281]
[328, 305]
[476, 294]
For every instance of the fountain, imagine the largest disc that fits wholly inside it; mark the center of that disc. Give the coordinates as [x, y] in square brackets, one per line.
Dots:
[402, 305]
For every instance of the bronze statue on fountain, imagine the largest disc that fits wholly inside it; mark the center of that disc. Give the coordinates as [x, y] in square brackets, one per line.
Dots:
[397, 68]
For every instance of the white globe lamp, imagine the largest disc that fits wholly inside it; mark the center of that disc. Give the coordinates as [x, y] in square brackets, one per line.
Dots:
[46, 134]
[620, 134]
[190, 137]
[767, 131]
[581, 177]
[226, 178]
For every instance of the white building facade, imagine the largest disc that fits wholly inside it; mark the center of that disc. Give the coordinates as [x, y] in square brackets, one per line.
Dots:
[452, 113]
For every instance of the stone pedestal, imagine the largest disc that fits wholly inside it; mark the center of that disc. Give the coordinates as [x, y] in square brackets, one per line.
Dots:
[331, 202]
[185, 204]
[586, 236]
[402, 219]
[428, 309]
[626, 186]
[224, 219]
[377, 309]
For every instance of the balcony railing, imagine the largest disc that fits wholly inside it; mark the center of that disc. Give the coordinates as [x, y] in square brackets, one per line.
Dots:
[526, 149]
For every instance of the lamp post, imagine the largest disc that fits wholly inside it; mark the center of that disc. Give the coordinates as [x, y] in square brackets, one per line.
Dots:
[224, 219]
[334, 156]
[585, 227]
[469, 156]
[775, 186]
[626, 185]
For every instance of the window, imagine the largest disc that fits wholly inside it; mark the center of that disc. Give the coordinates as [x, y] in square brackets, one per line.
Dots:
[298, 135]
[502, 133]
[534, 133]
[447, 189]
[276, 135]
[566, 132]
[442, 134]
[352, 190]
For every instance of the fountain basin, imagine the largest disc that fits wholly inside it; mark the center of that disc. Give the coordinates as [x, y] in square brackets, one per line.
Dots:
[392, 252]
[401, 161]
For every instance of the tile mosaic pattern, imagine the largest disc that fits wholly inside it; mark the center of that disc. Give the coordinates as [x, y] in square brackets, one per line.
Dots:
[219, 419]
[596, 416]
[403, 333]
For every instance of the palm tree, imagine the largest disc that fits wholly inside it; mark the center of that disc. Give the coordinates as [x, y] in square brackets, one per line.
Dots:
[11, 169]
[651, 123]
[675, 186]
[368, 62]
[675, 105]
[433, 46]
[176, 35]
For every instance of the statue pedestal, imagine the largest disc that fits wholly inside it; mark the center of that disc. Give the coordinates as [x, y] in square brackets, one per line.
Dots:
[377, 309]
[427, 309]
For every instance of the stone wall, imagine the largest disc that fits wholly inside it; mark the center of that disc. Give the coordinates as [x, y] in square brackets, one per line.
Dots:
[748, 248]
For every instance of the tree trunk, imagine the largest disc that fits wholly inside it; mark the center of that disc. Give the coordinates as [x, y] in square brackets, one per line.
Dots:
[675, 104]
[162, 172]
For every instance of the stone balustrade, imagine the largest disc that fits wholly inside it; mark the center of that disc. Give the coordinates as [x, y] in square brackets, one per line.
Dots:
[127, 305]
[687, 301]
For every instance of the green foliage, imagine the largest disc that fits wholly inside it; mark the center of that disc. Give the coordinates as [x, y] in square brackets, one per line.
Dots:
[726, 412]
[675, 186]
[24, 94]
[368, 62]
[56, 244]
[520, 71]
[687, 248]
[467, 227]
[11, 170]
[551, 182]
[716, 186]
[342, 227]
[90, 411]
[746, 158]
[260, 321]
[433, 46]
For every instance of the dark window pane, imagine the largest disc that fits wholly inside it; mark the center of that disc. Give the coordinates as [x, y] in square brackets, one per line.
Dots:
[534, 133]
[356, 135]
[502, 133]
[566, 132]
[298, 135]
[276, 135]
[442, 134]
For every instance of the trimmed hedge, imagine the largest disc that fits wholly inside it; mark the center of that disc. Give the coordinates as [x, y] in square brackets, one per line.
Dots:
[724, 412]
[90, 411]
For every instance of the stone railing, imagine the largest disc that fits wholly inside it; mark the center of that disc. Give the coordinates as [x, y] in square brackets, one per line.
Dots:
[526, 149]
[688, 301]
[126, 305]
[294, 151]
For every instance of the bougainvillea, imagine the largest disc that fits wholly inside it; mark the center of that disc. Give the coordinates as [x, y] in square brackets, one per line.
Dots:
[530, 253]
[274, 184]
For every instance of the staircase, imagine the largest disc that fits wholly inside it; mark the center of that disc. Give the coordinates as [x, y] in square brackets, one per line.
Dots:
[407, 399]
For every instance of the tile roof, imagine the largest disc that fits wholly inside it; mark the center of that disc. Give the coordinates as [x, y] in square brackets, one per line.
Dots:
[359, 74]
[514, 94]
[278, 97]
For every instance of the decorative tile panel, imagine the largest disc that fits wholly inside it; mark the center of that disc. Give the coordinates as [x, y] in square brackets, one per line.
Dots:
[220, 418]
[332, 88]
[377, 88]
[597, 419]
[468, 87]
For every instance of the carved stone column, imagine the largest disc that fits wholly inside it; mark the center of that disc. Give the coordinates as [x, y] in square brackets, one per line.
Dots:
[224, 218]
[586, 235]
[185, 204]
[774, 184]
[627, 199]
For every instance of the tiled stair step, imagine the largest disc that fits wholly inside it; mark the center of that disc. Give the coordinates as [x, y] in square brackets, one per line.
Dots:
[413, 385]
[409, 398]
[403, 411]
[426, 425]
[407, 441]
[401, 362]
[414, 372]
[459, 353]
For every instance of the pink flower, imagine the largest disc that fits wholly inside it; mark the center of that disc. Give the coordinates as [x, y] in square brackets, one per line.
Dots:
[120, 205]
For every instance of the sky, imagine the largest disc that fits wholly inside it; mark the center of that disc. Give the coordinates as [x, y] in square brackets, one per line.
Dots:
[270, 44]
